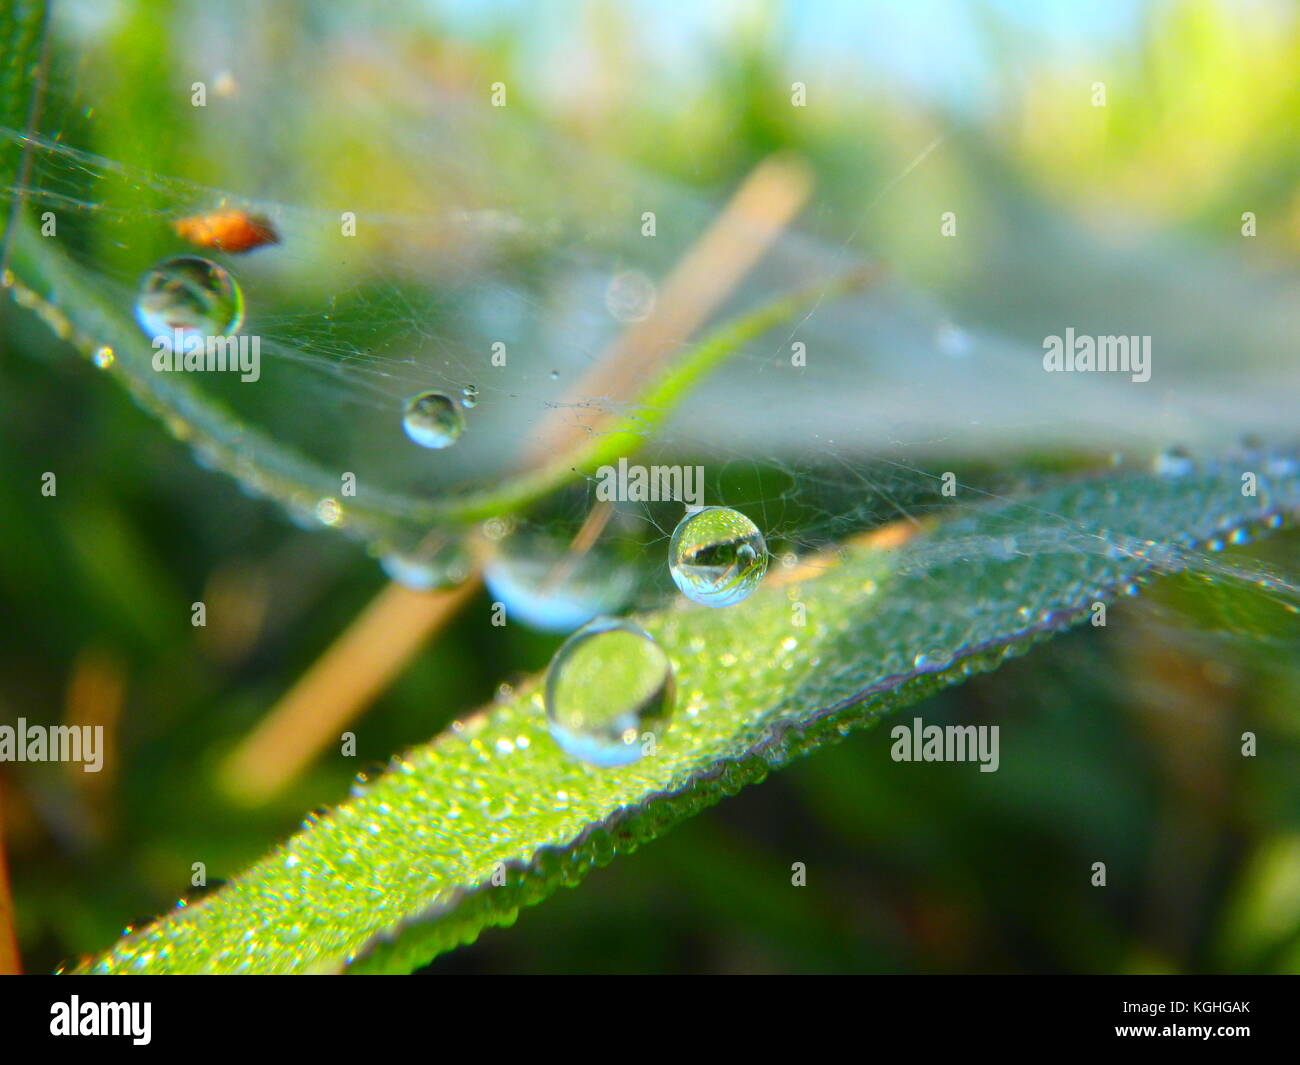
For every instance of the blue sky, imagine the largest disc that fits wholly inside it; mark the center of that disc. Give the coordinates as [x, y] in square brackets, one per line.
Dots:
[932, 46]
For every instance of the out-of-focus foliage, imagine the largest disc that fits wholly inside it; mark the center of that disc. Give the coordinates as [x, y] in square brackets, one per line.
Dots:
[1120, 745]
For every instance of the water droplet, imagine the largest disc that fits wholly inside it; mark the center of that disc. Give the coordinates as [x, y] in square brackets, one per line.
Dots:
[191, 295]
[1174, 462]
[717, 556]
[630, 296]
[103, 357]
[498, 528]
[547, 586]
[554, 375]
[329, 511]
[1281, 465]
[929, 662]
[433, 420]
[952, 340]
[607, 684]
[429, 566]
[469, 396]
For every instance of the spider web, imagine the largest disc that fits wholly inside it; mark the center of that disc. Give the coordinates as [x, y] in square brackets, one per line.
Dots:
[474, 230]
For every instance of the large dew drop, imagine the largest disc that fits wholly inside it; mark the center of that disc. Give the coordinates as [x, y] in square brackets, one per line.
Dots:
[609, 686]
[543, 584]
[429, 566]
[191, 295]
[433, 420]
[717, 556]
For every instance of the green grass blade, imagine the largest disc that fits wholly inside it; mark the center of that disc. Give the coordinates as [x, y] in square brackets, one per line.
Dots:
[62, 293]
[22, 39]
[404, 870]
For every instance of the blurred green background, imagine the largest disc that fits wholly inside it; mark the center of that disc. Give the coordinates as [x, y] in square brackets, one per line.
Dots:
[1118, 745]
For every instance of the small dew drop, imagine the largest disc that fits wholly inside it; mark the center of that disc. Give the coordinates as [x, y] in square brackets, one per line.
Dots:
[952, 340]
[103, 357]
[1281, 465]
[469, 397]
[717, 556]
[931, 661]
[1174, 462]
[498, 528]
[190, 296]
[630, 296]
[609, 682]
[328, 511]
[433, 420]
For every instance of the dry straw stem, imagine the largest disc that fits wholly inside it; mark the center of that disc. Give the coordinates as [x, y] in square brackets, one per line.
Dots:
[884, 538]
[355, 669]
[94, 699]
[380, 641]
[757, 214]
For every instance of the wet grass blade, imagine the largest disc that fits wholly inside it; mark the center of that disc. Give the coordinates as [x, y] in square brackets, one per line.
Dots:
[461, 833]
[22, 40]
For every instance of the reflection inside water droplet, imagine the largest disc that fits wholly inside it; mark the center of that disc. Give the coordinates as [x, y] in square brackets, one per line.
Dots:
[717, 556]
[189, 295]
[469, 397]
[433, 420]
[608, 685]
